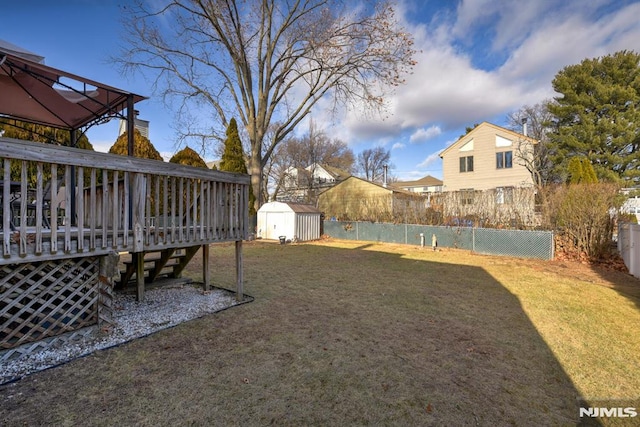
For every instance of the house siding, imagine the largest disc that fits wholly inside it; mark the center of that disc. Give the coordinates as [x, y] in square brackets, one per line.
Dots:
[485, 174]
[354, 198]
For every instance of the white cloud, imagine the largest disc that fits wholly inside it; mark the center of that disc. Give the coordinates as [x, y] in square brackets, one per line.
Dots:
[398, 146]
[166, 155]
[101, 146]
[555, 45]
[431, 159]
[423, 134]
[540, 39]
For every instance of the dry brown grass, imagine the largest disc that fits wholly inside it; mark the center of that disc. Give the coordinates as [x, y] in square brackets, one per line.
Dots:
[346, 333]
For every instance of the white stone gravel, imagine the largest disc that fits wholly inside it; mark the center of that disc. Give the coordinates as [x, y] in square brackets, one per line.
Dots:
[162, 308]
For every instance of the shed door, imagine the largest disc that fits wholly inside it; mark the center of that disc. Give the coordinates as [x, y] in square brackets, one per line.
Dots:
[275, 225]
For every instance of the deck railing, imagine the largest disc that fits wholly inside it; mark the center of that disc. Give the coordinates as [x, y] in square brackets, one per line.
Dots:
[61, 202]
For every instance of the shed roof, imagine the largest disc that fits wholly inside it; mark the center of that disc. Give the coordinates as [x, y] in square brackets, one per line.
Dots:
[302, 208]
[290, 207]
[36, 93]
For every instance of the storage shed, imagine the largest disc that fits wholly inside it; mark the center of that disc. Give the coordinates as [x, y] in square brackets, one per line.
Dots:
[293, 221]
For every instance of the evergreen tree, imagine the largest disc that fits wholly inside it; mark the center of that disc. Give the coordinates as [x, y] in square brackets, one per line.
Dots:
[142, 147]
[233, 155]
[38, 133]
[188, 157]
[581, 171]
[597, 115]
[233, 158]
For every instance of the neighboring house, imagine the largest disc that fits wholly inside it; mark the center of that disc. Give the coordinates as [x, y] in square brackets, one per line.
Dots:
[427, 187]
[424, 186]
[141, 125]
[359, 200]
[486, 158]
[632, 203]
[215, 163]
[484, 176]
[303, 185]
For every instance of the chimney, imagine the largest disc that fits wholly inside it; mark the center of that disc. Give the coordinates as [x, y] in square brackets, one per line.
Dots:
[384, 177]
[524, 126]
[141, 125]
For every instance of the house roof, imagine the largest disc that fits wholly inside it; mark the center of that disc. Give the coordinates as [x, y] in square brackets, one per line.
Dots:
[426, 181]
[36, 93]
[469, 135]
[389, 188]
[338, 174]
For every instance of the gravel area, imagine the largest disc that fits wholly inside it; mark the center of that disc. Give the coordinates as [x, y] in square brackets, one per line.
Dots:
[162, 308]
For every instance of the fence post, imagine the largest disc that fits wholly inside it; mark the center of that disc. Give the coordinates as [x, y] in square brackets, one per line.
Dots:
[473, 239]
[634, 253]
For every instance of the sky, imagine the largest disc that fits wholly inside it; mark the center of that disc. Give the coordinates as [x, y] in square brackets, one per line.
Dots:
[477, 60]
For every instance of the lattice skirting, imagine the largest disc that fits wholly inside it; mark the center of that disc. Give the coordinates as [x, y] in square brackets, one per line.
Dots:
[65, 339]
[44, 300]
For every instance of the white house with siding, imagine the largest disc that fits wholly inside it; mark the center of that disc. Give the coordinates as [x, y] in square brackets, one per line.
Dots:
[486, 158]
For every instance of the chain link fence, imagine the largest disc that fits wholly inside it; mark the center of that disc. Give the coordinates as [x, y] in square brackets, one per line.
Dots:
[517, 243]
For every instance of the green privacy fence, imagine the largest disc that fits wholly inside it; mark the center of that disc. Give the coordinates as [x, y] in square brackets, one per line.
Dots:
[518, 243]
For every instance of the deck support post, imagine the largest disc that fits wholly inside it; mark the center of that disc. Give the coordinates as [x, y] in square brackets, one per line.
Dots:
[239, 272]
[139, 263]
[206, 272]
[108, 272]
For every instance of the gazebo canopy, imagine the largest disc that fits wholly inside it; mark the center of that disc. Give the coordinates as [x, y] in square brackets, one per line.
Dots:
[33, 92]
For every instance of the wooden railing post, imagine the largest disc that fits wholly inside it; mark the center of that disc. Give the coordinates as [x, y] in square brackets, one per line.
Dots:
[139, 198]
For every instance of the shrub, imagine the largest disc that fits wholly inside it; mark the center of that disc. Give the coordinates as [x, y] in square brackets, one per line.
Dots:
[582, 214]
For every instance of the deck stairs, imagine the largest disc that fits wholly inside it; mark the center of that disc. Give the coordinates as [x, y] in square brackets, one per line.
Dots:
[166, 263]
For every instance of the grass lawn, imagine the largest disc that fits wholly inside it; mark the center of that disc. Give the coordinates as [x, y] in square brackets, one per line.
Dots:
[352, 333]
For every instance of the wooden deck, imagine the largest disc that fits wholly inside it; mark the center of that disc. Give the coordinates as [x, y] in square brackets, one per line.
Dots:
[153, 205]
[68, 214]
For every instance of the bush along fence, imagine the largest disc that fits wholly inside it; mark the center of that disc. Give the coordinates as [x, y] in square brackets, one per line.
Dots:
[517, 243]
[629, 246]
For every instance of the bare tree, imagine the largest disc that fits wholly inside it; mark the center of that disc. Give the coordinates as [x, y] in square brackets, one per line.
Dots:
[538, 120]
[371, 163]
[536, 159]
[315, 147]
[267, 61]
[300, 158]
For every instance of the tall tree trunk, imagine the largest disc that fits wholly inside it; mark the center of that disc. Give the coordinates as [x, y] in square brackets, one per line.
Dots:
[255, 170]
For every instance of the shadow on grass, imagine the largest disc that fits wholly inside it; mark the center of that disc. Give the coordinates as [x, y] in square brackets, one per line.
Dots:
[623, 282]
[334, 337]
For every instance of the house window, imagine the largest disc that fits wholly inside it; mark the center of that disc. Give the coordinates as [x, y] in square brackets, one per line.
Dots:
[466, 196]
[466, 164]
[504, 160]
[504, 195]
